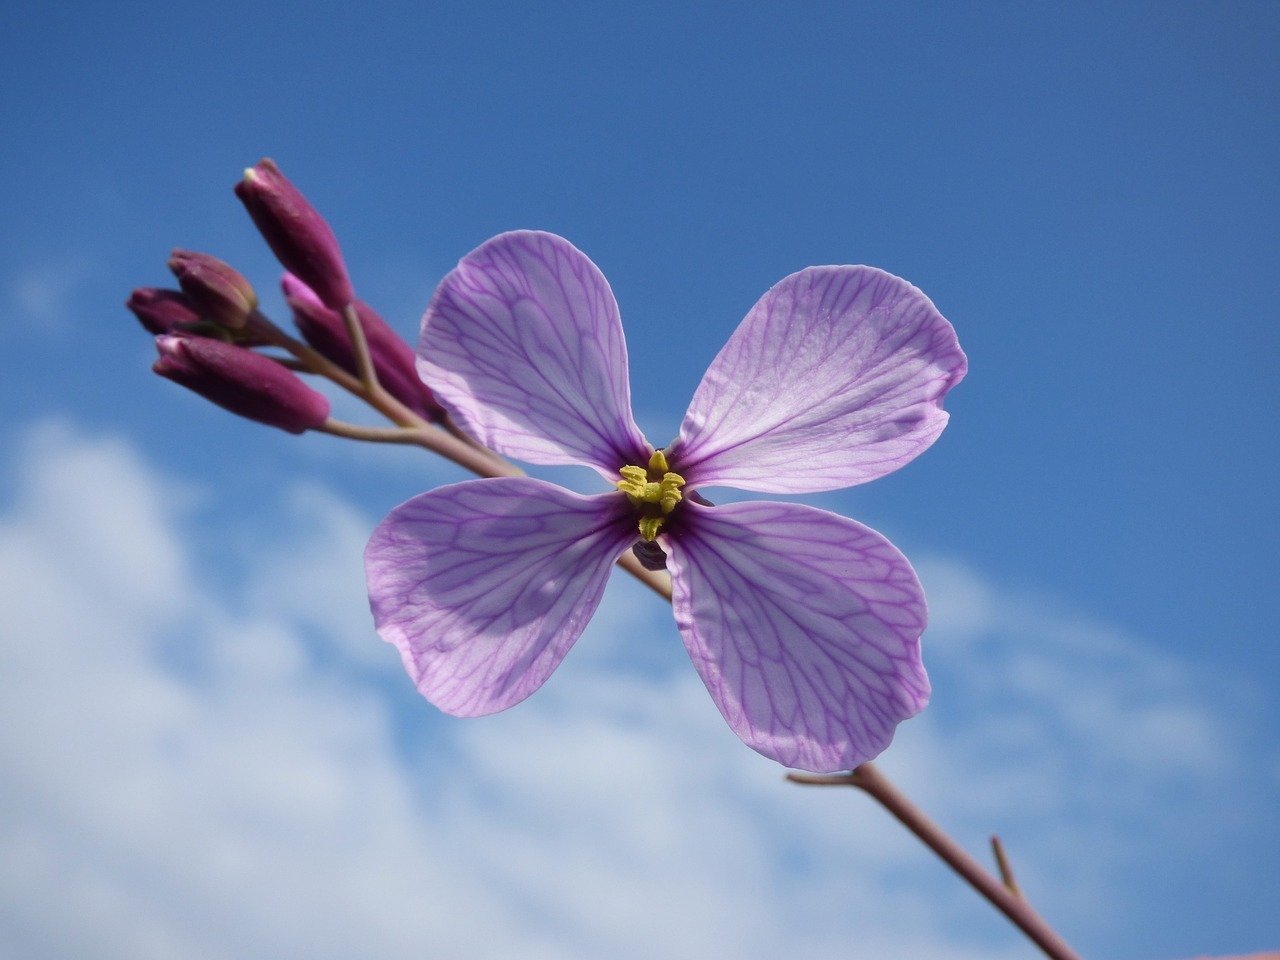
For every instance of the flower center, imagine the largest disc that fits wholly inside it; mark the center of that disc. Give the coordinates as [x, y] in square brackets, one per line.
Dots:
[654, 492]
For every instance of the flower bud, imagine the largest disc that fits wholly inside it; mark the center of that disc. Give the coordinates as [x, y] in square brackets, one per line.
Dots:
[299, 237]
[244, 382]
[163, 311]
[218, 290]
[393, 359]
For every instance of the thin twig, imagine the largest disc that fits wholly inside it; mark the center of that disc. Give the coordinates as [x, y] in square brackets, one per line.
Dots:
[356, 431]
[476, 459]
[1002, 864]
[312, 360]
[360, 348]
[318, 363]
[870, 780]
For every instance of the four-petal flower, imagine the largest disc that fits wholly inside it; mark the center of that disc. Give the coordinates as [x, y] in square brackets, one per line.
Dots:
[804, 625]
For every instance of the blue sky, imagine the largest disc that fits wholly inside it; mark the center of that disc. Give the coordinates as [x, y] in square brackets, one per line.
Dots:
[1089, 195]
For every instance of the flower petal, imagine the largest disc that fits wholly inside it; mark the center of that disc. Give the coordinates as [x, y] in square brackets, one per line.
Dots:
[804, 625]
[523, 344]
[834, 378]
[484, 586]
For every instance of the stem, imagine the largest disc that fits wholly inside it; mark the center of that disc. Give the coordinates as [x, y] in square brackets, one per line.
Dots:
[870, 780]
[355, 431]
[313, 360]
[478, 460]
[360, 347]
[318, 363]
[1002, 864]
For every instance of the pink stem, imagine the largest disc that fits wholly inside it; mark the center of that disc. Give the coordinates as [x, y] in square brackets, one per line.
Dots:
[870, 780]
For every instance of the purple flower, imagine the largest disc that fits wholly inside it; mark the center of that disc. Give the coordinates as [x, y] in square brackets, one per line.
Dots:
[805, 626]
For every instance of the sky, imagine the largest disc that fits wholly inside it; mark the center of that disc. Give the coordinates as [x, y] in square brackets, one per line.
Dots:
[206, 752]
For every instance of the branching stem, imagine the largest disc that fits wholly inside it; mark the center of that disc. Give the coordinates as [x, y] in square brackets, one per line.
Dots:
[1002, 864]
[871, 781]
[447, 444]
[355, 431]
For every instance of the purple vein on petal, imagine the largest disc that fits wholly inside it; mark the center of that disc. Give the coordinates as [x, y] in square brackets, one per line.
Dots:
[524, 345]
[835, 377]
[483, 586]
[804, 626]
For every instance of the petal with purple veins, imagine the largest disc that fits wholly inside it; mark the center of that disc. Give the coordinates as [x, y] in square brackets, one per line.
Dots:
[834, 378]
[483, 586]
[804, 625]
[523, 344]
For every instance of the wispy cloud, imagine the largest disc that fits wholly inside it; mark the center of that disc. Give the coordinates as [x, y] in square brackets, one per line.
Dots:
[43, 294]
[188, 772]
[1100, 754]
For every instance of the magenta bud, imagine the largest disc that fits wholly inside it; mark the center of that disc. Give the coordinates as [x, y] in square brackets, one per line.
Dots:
[393, 359]
[244, 382]
[299, 237]
[218, 290]
[163, 311]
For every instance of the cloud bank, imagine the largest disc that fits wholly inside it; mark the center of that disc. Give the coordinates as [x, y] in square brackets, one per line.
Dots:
[214, 763]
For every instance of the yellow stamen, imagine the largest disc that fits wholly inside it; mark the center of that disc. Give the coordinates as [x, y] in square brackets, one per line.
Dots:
[646, 494]
[669, 491]
[634, 482]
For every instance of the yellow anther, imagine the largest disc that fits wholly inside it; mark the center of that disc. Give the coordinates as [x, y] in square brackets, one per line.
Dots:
[669, 491]
[658, 462]
[634, 482]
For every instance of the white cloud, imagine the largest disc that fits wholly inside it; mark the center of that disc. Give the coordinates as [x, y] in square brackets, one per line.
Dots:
[1049, 674]
[1098, 752]
[196, 775]
[312, 572]
[42, 294]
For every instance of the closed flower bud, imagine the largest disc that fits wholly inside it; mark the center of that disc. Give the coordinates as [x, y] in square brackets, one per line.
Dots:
[299, 237]
[393, 359]
[218, 290]
[163, 311]
[244, 382]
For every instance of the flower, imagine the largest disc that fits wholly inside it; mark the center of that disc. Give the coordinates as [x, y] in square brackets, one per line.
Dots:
[804, 625]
